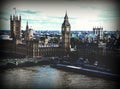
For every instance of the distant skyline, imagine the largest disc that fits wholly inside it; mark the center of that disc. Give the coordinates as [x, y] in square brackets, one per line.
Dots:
[49, 14]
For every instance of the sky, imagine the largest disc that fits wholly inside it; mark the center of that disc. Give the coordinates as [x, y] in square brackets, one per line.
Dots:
[49, 14]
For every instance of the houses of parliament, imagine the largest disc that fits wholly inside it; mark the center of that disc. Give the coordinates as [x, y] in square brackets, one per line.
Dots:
[29, 47]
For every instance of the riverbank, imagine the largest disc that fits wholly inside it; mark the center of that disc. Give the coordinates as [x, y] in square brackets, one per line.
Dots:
[23, 62]
[29, 62]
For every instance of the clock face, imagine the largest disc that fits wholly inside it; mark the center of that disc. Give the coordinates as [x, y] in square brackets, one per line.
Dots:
[67, 29]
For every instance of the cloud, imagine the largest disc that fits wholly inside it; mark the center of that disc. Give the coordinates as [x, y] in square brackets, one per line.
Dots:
[4, 15]
[28, 12]
[50, 15]
[56, 17]
[4, 24]
[110, 14]
[3, 12]
[4, 18]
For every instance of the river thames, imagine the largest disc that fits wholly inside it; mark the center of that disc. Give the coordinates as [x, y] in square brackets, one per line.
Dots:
[46, 77]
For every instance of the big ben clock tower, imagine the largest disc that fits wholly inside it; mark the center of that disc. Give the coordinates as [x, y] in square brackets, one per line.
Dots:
[66, 34]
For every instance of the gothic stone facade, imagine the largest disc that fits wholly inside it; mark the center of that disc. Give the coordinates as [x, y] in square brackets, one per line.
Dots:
[15, 27]
[32, 47]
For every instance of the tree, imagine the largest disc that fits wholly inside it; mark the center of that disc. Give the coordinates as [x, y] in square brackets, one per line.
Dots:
[74, 42]
[42, 38]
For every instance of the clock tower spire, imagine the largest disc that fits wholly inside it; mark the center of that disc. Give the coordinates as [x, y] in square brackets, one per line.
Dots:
[66, 34]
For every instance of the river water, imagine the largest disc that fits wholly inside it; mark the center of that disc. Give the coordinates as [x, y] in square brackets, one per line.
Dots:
[46, 77]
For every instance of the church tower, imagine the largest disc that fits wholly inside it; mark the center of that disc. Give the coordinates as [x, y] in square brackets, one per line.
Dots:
[98, 32]
[66, 28]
